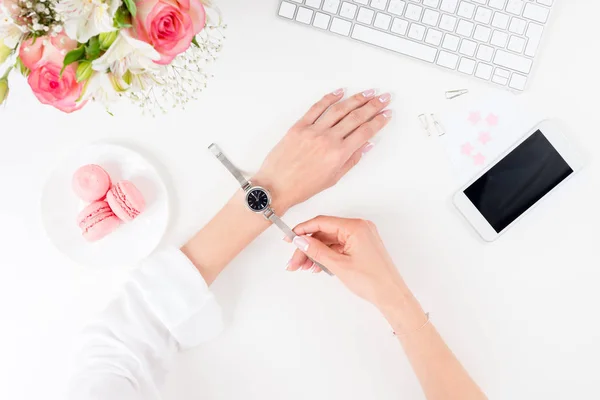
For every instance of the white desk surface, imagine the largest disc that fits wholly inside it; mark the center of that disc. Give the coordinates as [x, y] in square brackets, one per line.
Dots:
[521, 314]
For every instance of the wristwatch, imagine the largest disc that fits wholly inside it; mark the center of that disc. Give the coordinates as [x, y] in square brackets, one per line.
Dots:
[258, 199]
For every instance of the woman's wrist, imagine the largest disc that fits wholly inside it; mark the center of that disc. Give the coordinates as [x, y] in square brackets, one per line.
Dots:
[280, 201]
[401, 309]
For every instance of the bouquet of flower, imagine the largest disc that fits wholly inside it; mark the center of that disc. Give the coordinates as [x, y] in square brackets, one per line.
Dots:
[73, 51]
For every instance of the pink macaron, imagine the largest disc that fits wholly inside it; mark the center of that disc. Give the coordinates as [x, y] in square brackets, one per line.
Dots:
[91, 182]
[126, 201]
[97, 220]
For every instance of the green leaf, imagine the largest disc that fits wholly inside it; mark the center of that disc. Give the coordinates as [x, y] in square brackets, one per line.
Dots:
[92, 50]
[22, 68]
[130, 4]
[107, 39]
[72, 57]
[84, 71]
[195, 42]
[122, 18]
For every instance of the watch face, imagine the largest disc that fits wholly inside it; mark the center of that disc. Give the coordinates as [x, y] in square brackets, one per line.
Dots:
[258, 199]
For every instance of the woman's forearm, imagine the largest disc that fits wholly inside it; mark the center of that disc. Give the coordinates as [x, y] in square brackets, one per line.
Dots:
[441, 375]
[224, 237]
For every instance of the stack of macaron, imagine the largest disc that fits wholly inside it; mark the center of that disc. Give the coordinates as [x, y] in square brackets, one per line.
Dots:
[110, 204]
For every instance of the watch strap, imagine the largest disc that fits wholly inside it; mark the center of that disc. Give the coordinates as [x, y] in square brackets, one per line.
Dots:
[271, 216]
[244, 183]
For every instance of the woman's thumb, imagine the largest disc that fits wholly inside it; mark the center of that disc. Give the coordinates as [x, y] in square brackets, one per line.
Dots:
[316, 250]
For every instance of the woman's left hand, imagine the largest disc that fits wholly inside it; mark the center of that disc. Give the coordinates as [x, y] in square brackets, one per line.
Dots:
[322, 147]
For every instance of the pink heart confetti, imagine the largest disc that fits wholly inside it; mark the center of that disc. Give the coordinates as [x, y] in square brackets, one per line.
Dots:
[466, 149]
[478, 159]
[484, 137]
[492, 120]
[474, 117]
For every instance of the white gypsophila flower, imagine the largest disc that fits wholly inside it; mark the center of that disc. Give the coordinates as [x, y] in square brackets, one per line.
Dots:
[87, 18]
[10, 32]
[176, 84]
[127, 54]
[38, 17]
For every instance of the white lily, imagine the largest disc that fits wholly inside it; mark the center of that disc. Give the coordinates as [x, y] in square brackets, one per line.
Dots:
[10, 32]
[87, 18]
[127, 54]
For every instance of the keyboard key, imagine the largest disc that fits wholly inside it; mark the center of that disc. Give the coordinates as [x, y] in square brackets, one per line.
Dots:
[499, 39]
[396, 7]
[465, 28]
[516, 44]
[287, 10]
[451, 42]
[413, 12]
[536, 13]
[449, 6]
[534, 33]
[314, 3]
[340, 26]
[400, 26]
[513, 61]
[431, 17]
[518, 82]
[467, 66]
[447, 60]
[501, 76]
[485, 53]
[545, 2]
[348, 10]
[304, 15]
[382, 21]
[483, 15]
[321, 20]
[298, 1]
[448, 23]
[466, 10]
[416, 31]
[500, 20]
[517, 26]
[515, 7]
[394, 43]
[484, 71]
[365, 16]
[331, 6]
[431, 3]
[480, 1]
[497, 4]
[363, 2]
[482, 33]
[434, 37]
[468, 47]
[379, 4]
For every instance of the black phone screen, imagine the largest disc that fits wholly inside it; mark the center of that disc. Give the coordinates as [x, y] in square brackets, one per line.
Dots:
[518, 181]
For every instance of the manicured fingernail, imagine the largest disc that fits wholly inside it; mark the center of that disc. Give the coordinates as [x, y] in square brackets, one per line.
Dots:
[387, 113]
[369, 93]
[288, 267]
[338, 92]
[301, 243]
[367, 148]
[384, 98]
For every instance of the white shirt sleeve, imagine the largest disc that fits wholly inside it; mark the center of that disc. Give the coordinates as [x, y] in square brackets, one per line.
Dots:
[126, 352]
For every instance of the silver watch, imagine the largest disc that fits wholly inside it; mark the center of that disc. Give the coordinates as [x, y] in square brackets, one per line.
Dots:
[258, 199]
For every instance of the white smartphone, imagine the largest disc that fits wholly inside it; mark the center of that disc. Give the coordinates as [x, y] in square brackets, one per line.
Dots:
[536, 165]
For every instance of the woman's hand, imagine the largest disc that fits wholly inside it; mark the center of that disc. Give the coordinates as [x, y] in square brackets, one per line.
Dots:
[322, 147]
[353, 251]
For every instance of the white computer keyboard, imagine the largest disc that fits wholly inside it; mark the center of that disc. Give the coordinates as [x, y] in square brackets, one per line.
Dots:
[493, 40]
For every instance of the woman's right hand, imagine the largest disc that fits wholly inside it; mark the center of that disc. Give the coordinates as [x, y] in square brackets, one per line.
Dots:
[353, 250]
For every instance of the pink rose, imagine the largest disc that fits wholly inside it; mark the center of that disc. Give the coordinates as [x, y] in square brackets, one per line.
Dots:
[168, 25]
[44, 58]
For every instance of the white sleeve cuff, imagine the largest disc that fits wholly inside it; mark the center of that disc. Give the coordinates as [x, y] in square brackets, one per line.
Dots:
[179, 297]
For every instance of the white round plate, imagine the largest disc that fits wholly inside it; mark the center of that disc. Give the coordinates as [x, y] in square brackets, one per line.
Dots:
[129, 243]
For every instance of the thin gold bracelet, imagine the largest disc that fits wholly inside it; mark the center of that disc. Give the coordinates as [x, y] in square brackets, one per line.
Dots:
[415, 331]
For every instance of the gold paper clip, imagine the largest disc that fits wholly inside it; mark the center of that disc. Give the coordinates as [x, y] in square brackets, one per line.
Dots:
[438, 126]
